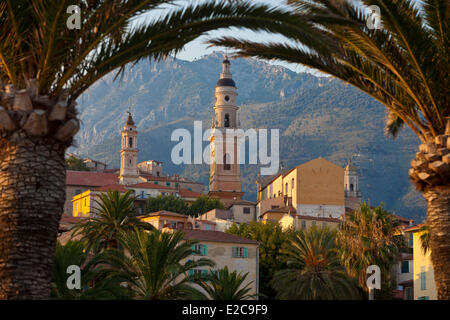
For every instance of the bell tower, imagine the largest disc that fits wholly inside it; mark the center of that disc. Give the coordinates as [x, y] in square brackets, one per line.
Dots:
[129, 173]
[351, 184]
[225, 177]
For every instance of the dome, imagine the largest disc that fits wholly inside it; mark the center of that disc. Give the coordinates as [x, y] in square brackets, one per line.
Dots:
[226, 82]
[130, 121]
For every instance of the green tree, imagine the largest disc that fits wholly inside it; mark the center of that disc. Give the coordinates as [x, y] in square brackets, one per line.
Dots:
[425, 238]
[368, 236]
[154, 266]
[168, 203]
[115, 217]
[272, 237]
[313, 269]
[91, 284]
[203, 204]
[44, 68]
[224, 285]
[76, 164]
[403, 64]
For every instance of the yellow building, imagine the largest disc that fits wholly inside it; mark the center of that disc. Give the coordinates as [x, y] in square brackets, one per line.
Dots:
[315, 188]
[424, 285]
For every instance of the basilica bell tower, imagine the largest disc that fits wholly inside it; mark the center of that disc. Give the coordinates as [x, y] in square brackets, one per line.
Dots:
[225, 177]
[129, 173]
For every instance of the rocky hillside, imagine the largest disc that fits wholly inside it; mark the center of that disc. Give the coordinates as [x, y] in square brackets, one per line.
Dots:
[317, 116]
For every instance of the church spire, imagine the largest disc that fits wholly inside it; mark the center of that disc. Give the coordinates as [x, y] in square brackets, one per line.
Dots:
[129, 173]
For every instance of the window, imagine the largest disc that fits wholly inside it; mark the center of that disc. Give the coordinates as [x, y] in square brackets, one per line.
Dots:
[303, 224]
[292, 183]
[130, 142]
[405, 266]
[226, 162]
[411, 240]
[423, 280]
[247, 210]
[227, 98]
[227, 121]
[168, 184]
[199, 249]
[156, 182]
[286, 189]
[314, 223]
[239, 252]
[424, 298]
[351, 187]
[207, 227]
[77, 192]
[157, 174]
[274, 207]
[190, 189]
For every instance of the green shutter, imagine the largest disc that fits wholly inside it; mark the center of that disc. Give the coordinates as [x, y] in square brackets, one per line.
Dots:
[191, 272]
[423, 285]
[204, 249]
[193, 248]
[234, 251]
[245, 253]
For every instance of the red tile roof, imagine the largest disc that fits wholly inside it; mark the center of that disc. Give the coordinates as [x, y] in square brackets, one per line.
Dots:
[163, 213]
[112, 187]
[414, 228]
[148, 185]
[90, 179]
[185, 193]
[216, 236]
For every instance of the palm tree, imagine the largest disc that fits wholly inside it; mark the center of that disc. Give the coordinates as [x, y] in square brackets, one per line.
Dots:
[403, 64]
[154, 265]
[224, 285]
[425, 238]
[368, 237]
[313, 269]
[91, 284]
[115, 216]
[44, 68]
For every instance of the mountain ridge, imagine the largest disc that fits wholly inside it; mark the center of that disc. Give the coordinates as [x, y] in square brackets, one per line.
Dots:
[317, 116]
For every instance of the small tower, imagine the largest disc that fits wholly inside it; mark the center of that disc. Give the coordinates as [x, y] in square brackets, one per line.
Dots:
[351, 184]
[225, 178]
[129, 173]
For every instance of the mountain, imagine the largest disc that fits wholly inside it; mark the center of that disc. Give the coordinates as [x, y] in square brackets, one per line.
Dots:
[316, 116]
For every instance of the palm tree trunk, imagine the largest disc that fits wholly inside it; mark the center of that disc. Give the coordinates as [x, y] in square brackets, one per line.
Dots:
[32, 195]
[438, 219]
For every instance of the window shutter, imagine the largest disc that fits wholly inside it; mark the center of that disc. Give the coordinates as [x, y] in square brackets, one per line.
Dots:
[193, 248]
[204, 249]
[234, 250]
[245, 253]
[191, 272]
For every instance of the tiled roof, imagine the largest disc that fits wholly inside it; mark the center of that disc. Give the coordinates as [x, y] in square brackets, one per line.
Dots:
[288, 209]
[148, 185]
[414, 228]
[112, 187]
[241, 202]
[163, 213]
[185, 193]
[90, 179]
[216, 236]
